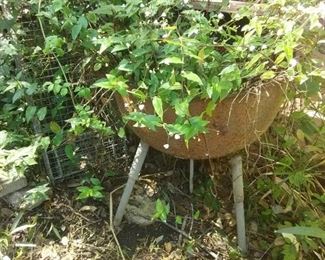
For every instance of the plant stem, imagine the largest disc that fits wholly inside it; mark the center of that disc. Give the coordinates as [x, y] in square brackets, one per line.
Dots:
[137, 163]
[111, 221]
[54, 55]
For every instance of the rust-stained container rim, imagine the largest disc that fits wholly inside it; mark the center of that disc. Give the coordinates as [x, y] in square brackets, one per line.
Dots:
[255, 105]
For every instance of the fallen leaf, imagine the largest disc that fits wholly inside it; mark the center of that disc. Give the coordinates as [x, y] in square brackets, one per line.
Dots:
[88, 208]
[168, 247]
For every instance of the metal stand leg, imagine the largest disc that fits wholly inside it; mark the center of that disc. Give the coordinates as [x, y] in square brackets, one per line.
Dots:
[238, 189]
[137, 163]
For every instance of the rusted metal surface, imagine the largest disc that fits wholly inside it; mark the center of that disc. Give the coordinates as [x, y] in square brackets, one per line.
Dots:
[236, 122]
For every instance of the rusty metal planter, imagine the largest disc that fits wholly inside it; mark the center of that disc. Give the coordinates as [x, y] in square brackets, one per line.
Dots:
[236, 122]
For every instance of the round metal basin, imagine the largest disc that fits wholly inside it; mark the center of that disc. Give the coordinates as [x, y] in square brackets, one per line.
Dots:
[236, 122]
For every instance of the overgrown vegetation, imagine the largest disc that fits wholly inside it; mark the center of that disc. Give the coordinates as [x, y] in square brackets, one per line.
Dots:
[171, 54]
[165, 51]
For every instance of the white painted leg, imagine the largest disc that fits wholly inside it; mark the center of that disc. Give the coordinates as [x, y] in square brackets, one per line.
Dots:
[238, 189]
[137, 163]
[191, 175]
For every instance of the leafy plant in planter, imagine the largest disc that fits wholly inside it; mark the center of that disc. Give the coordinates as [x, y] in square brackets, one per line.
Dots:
[178, 57]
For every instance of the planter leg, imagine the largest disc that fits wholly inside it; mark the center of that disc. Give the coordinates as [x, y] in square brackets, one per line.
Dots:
[191, 175]
[238, 190]
[137, 163]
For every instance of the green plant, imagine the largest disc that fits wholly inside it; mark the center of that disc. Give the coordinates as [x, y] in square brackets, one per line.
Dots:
[178, 220]
[162, 210]
[23, 62]
[15, 160]
[295, 200]
[168, 52]
[91, 188]
[205, 192]
[171, 54]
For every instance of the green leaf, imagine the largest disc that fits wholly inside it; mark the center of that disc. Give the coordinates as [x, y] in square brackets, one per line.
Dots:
[231, 73]
[75, 31]
[223, 89]
[41, 113]
[210, 108]
[54, 43]
[58, 138]
[18, 95]
[189, 75]
[289, 252]
[196, 215]
[229, 69]
[171, 60]
[178, 220]
[68, 149]
[298, 178]
[288, 50]
[64, 91]
[97, 66]
[30, 112]
[104, 9]
[162, 210]
[121, 132]
[253, 61]
[150, 121]
[82, 23]
[104, 44]
[56, 88]
[258, 28]
[168, 86]
[58, 5]
[113, 83]
[303, 231]
[270, 74]
[95, 181]
[158, 106]
[125, 65]
[280, 58]
[191, 127]
[181, 108]
[98, 195]
[118, 48]
[55, 128]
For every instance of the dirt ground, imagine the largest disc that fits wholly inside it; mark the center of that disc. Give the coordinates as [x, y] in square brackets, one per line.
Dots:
[66, 228]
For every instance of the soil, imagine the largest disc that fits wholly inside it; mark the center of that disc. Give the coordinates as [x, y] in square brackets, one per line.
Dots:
[66, 228]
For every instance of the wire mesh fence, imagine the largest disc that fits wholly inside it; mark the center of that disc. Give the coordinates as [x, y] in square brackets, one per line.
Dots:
[92, 151]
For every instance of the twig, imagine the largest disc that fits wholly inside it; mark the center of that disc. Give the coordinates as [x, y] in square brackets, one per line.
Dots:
[183, 228]
[191, 175]
[77, 213]
[192, 214]
[29, 245]
[111, 223]
[177, 230]
[266, 251]
[205, 249]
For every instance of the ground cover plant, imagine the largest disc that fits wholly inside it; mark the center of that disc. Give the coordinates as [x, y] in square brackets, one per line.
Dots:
[167, 52]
